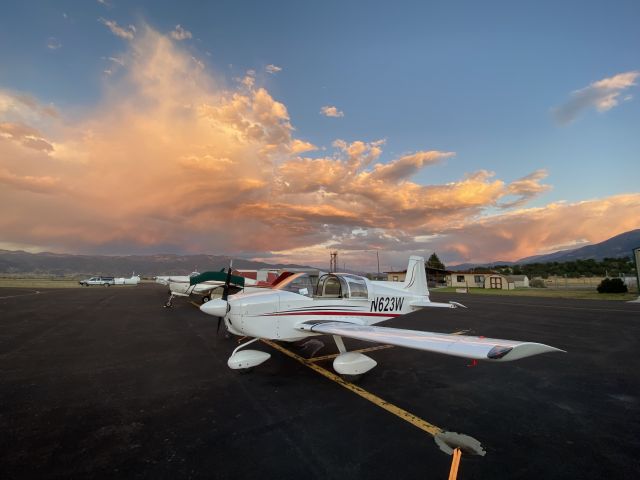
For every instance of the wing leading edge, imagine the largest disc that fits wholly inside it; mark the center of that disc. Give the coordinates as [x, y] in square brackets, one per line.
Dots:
[478, 348]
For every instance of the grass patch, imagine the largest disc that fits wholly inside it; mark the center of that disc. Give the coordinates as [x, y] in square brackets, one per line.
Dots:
[546, 293]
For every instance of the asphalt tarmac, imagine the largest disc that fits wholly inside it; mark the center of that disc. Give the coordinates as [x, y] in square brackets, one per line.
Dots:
[105, 382]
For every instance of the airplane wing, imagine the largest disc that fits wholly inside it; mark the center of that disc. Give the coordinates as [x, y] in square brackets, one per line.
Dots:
[479, 348]
[216, 276]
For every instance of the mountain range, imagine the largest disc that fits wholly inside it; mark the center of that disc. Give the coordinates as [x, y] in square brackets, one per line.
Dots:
[15, 262]
[615, 247]
[18, 261]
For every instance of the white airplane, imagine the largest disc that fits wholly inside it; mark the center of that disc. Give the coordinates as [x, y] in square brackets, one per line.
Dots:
[210, 285]
[133, 280]
[346, 305]
[205, 285]
[165, 279]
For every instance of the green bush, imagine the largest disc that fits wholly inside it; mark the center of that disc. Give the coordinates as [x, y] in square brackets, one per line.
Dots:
[612, 285]
[537, 283]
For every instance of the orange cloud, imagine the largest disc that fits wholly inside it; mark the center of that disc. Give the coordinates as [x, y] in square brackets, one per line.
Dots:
[175, 158]
[28, 182]
[27, 136]
[331, 111]
[126, 33]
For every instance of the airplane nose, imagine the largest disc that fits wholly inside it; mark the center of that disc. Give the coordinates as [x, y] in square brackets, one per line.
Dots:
[217, 307]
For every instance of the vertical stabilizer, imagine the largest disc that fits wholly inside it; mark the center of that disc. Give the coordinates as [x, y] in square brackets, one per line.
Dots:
[416, 279]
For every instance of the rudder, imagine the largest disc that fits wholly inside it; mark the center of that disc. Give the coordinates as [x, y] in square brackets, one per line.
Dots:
[416, 279]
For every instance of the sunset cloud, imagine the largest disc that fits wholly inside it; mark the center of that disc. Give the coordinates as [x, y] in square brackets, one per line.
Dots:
[408, 165]
[180, 33]
[29, 183]
[173, 158]
[300, 146]
[20, 106]
[506, 237]
[272, 69]
[602, 95]
[329, 111]
[126, 33]
[27, 136]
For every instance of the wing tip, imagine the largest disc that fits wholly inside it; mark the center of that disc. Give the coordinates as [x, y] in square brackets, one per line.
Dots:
[522, 350]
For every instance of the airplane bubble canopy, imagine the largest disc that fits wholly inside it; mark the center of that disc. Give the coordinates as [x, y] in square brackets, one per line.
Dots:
[342, 285]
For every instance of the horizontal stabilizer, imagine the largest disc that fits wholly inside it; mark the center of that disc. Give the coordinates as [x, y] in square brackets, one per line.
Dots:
[422, 304]
[478, 348]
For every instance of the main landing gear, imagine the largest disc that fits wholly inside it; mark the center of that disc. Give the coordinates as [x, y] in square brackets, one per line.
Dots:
[351, 365]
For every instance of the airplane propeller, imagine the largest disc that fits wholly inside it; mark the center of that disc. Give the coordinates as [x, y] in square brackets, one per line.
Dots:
[225, 292]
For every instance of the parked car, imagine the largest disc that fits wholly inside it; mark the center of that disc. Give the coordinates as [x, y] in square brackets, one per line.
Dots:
[106, 281]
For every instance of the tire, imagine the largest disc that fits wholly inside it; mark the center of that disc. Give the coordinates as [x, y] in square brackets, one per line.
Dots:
[106, 284]
[206, 298]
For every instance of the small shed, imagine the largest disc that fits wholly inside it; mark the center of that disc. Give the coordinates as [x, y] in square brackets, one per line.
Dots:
[519, 281]
[497, 281]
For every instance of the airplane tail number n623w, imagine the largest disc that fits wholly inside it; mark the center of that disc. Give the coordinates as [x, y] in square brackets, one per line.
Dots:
[346, 305]
[386, 304]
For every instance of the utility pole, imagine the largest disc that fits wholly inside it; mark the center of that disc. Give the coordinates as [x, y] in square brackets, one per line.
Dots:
[378, 257]
[636, 260]
[333, 263]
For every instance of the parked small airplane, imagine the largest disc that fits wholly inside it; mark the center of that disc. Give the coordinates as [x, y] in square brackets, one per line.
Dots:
[210, 285]
[165, 279]
[133, 280]
[203, 284]
[346, 305]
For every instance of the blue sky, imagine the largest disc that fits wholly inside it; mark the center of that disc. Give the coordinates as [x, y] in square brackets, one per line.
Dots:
[481, 79]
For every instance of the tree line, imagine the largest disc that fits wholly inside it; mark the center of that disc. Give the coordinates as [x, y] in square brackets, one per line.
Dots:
[612, 267]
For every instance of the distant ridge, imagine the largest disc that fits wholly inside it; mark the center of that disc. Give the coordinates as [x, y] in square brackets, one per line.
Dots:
[618, 246]
[16, 262]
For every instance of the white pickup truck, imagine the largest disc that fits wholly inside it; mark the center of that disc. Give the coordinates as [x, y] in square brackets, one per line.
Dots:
[106, 281]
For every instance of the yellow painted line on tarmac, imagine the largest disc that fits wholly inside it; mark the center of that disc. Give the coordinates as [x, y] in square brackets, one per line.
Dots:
[362, 350]
[35, 292]
[389, 407]
[194, 304]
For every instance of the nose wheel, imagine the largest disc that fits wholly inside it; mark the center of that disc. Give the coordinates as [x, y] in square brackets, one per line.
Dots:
[168, 303]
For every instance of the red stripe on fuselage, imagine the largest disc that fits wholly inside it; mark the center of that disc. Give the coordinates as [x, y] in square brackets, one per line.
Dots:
[337, 314]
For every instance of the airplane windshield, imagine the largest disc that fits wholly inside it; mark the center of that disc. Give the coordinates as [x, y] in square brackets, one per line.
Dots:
[357, 286]
[331, 286]
[300, 283]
